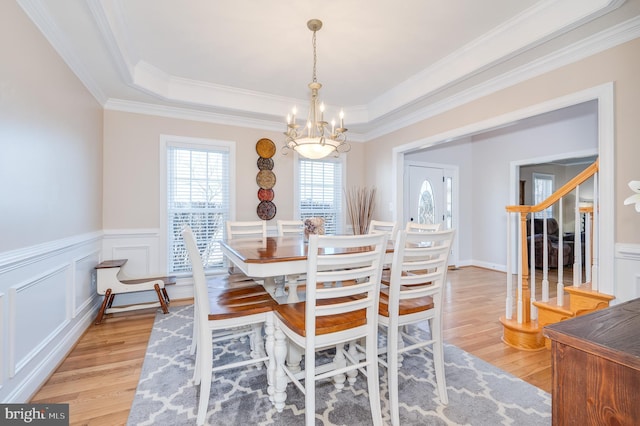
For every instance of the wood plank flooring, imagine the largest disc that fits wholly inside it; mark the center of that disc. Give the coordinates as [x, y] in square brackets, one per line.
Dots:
[99, 376]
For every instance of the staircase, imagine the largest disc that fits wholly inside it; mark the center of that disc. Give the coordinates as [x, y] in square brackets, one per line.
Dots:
[525, 316]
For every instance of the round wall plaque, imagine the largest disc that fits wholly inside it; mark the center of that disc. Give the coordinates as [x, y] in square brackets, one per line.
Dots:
[265, 163]
[265, 194]
[266, 210]
[266, 179]
[265, 148]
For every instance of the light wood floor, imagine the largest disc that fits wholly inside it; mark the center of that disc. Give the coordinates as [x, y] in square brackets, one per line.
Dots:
[98, 378]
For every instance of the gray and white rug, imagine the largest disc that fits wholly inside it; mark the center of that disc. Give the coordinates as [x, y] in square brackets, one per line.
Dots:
[479, 393]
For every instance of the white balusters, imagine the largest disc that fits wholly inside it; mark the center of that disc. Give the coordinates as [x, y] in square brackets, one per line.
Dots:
[577, 251]
[509, 298]
[560, 283]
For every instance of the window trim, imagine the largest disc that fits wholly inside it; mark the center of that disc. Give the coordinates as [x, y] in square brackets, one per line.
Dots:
[167, 141]
[296, 186]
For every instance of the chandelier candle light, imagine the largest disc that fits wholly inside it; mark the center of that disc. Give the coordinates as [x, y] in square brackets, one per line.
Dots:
[315, 141]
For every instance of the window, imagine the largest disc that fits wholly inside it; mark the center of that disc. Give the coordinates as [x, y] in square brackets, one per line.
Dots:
[198, 194]
[542, 189]
[320, 184]
[426, 205]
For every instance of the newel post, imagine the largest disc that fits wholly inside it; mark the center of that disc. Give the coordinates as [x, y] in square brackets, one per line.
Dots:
[524, 296]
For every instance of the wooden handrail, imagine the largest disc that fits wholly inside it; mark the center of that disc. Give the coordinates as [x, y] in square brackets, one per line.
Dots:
[561, 192]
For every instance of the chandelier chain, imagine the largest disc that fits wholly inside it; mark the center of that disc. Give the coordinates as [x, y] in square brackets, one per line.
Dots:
[315, 80]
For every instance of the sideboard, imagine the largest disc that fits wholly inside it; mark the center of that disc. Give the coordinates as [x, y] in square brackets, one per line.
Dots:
[596, 367]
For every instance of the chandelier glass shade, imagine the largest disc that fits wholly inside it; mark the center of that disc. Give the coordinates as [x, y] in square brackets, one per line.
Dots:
[317, 138]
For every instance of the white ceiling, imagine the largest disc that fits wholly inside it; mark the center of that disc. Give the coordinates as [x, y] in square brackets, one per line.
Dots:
[249, 61]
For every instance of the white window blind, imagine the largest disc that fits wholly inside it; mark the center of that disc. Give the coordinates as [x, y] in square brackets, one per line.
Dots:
[198, 196]
[320, 192]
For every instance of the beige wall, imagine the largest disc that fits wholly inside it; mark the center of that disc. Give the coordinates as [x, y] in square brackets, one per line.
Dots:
[131, 167]
[620, 65]
[51, 136]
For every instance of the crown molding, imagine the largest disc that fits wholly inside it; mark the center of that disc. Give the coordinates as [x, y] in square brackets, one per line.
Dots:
[607, 39]
[203, 116]
[530, 28]
[526, 30]
[599, 42]
[256, 105]
[116, 41]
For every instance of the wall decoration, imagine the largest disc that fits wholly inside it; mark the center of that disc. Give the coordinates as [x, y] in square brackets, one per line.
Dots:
[266, 179]
[265, 194]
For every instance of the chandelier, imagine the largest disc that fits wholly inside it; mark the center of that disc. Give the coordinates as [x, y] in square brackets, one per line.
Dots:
[316, 139]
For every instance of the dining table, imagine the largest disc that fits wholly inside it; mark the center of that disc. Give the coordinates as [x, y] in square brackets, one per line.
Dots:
[271, 258]
[268, 259]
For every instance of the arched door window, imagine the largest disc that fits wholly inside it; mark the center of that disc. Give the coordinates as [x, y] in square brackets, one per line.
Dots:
[426, 206]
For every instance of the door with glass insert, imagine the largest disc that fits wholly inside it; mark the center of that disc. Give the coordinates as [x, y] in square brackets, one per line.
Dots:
[427, 196]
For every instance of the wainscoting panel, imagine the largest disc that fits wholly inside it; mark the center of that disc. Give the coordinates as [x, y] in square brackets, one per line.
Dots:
[84, 282]
[49, 293]
[141, 248]
[627, 282]
[48, 300]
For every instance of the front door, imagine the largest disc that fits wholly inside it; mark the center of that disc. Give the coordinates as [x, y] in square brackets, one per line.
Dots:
[427, 195]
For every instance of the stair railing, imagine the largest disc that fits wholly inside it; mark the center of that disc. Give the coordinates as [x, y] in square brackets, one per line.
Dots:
[586, 217]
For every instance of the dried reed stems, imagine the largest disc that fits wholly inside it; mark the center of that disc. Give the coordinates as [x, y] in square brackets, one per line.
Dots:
[360, 207]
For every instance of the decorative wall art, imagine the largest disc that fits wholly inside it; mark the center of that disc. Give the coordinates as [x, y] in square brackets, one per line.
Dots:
[266, 179]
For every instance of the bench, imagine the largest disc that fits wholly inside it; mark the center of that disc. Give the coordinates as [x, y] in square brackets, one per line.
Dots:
[110, 281]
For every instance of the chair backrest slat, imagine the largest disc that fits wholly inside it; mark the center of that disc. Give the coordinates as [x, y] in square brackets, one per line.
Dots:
[419, 264]
[246, 229]
[343, 275]
[422, 227]
[290, 227]
[378, 226]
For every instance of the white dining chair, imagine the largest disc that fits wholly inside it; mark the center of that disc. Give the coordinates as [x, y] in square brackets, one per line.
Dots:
[377, 226]
[331, 316]
[422, 227]
[246, 229]
[412, 293]
[256, 229]
[234, 312]
[290, 227]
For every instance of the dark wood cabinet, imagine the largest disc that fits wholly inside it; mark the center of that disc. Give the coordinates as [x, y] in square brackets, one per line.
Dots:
[596, 367]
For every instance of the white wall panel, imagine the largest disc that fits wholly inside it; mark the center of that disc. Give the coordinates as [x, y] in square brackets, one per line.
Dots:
[47, 301]
[627, 282]
[84, 282]
[30, 330]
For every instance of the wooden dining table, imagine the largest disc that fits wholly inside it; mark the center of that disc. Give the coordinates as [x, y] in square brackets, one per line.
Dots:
[273, 257]
[269, 258]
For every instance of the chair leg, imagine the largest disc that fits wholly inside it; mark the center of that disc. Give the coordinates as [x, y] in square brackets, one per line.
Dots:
[205, 365]
[310, 387]
[163, 303]
[373, 381]
[438, 360]
[392, 374]
[107, 296]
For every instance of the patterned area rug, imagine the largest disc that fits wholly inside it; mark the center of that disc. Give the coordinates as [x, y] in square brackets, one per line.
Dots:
[479, 393]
